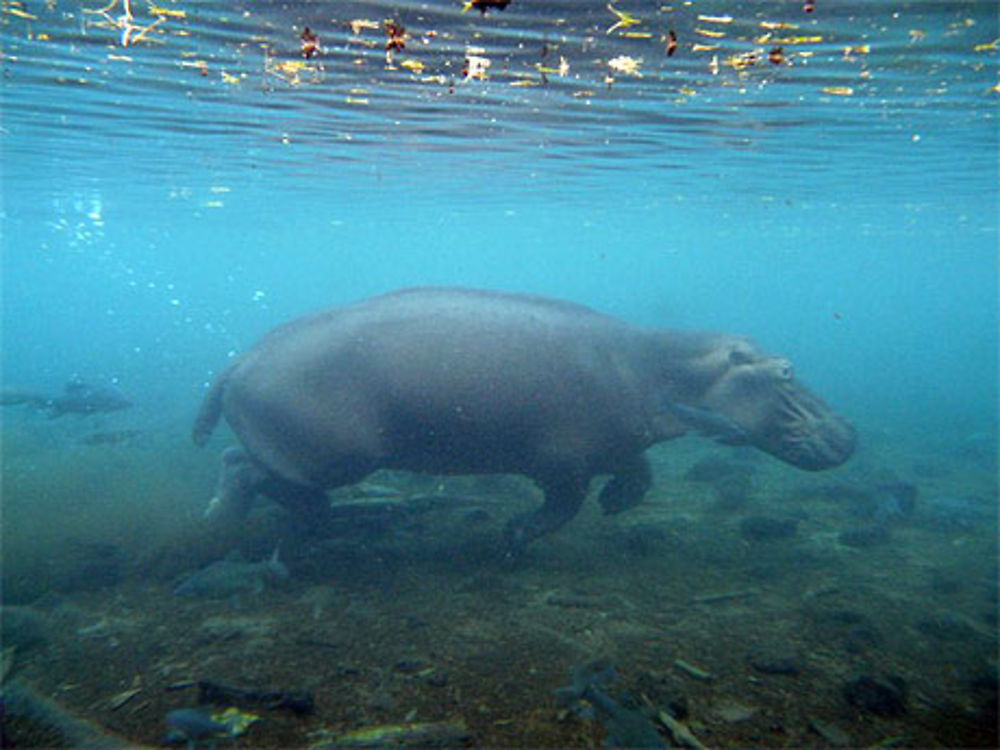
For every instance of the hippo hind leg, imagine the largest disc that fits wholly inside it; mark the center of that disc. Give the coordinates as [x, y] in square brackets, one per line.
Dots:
[241, 479]
[627, 487]
[308, 507]
[563, 497]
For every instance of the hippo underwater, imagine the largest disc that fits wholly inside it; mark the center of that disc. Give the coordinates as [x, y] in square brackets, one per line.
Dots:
[462, 381]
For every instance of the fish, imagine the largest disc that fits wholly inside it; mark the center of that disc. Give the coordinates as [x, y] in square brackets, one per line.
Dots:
[78, 397]
[232, 576]
[625, 726]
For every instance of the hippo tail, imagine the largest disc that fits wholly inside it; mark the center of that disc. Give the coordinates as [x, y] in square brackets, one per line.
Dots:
[211, 409]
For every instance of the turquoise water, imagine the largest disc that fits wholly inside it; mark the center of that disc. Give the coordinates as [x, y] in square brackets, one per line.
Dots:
[167, 202]
[156, 219]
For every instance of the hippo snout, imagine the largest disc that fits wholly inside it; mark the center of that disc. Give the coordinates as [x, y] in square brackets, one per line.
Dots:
[830, 443]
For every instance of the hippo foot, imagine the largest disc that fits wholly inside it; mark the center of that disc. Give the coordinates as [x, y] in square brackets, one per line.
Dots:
[627, 488]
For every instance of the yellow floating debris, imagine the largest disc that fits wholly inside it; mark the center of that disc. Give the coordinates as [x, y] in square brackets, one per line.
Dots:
[219, 189]
[42, 38]
[838, 90]
[157, 10]
[526, 83]
[799, 40]
[774, 25]
[119, 58]
[289, 66]
[355, 100]
[715, 19]
[917, 35]
[988, 46]
[562, 70]
[743, 61]
[858, 49]
[414, 66]
[710, 33]
[624, 20]
[20, 14]
[230, 78]
[637, 35]
[696, 47]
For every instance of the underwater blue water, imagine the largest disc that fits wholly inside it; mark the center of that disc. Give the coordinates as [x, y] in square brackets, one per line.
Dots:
[157, 220]
[177, 178]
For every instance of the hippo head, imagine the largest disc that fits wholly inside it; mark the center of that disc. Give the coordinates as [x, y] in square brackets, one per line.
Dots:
[759, 395]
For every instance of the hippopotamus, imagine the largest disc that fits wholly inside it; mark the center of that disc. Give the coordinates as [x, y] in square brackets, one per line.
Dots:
[463, 381]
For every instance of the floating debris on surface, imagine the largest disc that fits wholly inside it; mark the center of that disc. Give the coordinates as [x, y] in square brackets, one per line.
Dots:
[484, 5]
[310, 43]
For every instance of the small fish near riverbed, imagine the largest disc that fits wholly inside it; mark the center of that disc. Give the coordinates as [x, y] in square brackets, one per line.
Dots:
[232, 576]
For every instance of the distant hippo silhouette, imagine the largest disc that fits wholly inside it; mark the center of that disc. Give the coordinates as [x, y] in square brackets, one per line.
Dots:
[459, 381]
[79, 397]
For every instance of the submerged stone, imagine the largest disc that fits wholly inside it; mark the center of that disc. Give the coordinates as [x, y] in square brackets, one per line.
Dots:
[861, 537]
[876, 695]
[767, 528]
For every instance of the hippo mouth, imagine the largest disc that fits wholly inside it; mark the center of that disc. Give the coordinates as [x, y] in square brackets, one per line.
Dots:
[809, 435]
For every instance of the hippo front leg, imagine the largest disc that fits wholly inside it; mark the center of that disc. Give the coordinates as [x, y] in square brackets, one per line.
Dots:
[627, 486]
[563, 497]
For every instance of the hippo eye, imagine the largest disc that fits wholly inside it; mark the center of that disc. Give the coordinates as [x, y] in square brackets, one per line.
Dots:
[785, 372]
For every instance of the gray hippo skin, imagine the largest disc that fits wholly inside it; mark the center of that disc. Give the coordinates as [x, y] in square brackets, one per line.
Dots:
[457, 381]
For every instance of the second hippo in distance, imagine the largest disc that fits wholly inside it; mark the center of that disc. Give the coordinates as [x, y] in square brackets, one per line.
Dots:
[460, 381]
